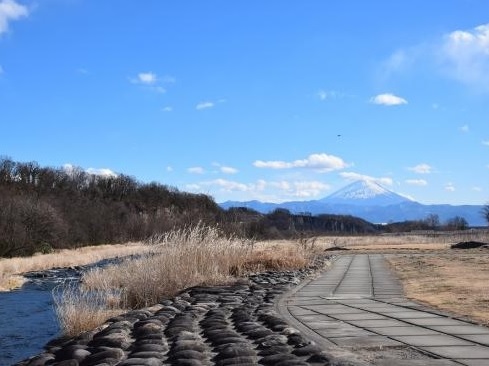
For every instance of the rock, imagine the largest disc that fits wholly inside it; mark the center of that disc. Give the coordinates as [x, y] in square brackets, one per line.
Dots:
[110, 356]
[141, 362]
[41, 359]
[235, 350]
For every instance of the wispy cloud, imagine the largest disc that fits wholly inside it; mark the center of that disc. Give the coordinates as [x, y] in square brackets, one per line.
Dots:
[449, 187]
[352, 176]
[265, 190]
[167, 109]
[1, 70]
[11, 10]
[225, 169]
[465, 128]
[388, 99]
[196, 170]
[152, 81]
[421, 168]
[485, 142]
[461, 55]
[465, 55]
[416, 182]
[147, 78]
[318, 162]
[204, 105]
[329, 94]
[228, 170]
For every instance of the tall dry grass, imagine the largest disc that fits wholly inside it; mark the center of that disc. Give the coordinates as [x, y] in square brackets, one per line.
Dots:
[187, 257]
[79, 310]
[11, 269]
[177, 260]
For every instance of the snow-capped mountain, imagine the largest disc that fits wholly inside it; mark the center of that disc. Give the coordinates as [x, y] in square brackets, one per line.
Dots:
[372, 202]
[364, 193]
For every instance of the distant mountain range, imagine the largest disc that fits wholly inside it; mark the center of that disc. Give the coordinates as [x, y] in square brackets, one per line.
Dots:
[372, 202]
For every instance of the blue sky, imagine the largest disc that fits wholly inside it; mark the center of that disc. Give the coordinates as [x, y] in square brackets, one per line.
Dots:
[271, 100]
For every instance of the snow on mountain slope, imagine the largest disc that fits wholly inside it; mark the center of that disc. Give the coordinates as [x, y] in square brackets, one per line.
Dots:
[363, 193]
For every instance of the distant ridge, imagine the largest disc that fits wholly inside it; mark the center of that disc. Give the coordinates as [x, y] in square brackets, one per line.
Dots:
[372, 202]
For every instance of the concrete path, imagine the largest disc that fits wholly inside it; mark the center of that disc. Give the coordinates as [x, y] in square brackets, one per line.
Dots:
[357, 306]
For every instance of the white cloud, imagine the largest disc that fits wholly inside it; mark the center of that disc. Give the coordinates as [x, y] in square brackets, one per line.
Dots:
[464, 55]
[204, 105]
[464, 128]
[10, 10]
[477, 189]
[329, 94]
[388, 99]
[272, 191]
[351, 176]
[485, 142]
[104, 172]
[228, 170]
[169, 168]
[318, 162]
[193, 187]
[416, 182]
[151, 81]
[167, 109]
[450, 187]
[421, 168]
[228, 185]
[147, 78]
[196, 170]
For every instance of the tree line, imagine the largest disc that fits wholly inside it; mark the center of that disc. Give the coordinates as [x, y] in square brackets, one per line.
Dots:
[45, 208]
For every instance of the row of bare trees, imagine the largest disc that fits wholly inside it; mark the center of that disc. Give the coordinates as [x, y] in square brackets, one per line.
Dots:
[42, 208]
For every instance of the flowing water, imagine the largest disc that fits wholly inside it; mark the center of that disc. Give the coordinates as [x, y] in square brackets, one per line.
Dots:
[27, 316]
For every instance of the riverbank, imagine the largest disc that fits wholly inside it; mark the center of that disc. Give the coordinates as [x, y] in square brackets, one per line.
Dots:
[215, 325]
[12, 269]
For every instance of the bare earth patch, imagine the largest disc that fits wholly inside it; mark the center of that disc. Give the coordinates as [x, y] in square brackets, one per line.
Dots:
[453, 281]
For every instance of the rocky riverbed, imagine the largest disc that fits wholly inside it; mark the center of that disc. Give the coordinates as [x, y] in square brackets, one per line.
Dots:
[220, 325]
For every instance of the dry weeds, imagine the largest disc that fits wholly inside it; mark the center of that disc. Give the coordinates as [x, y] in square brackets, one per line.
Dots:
[177, 260]
[457, 281]
[12, 268]
[79, 310]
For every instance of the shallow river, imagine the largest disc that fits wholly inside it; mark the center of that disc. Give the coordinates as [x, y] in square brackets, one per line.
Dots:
[27, 317]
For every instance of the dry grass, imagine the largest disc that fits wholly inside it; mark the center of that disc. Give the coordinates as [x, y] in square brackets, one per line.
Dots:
[12, 268]
[79, 310]
[457, 281]
[177, 260]
[410, 241]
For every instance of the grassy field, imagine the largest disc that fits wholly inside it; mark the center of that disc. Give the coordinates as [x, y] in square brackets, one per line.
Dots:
[455, 281]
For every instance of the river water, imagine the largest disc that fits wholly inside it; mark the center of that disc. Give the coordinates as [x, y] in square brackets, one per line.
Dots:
[27, 316]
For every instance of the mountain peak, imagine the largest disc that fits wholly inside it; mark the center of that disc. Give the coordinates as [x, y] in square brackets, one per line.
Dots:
[365, 192]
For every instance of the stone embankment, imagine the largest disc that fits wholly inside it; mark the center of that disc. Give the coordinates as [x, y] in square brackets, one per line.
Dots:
[220, 325]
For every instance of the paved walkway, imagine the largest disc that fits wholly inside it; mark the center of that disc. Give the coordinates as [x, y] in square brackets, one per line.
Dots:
[357, 306]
